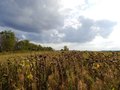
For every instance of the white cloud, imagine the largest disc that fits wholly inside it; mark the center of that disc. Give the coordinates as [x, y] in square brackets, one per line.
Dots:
[79, 24]
[72, 4]
[103, 9]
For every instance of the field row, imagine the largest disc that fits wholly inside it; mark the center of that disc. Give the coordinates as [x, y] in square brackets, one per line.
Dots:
[61, 71]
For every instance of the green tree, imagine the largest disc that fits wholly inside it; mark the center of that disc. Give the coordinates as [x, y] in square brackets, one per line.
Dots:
[22, 45]
[47, 49]
[33, 47]
[7, 40]
[66, 48]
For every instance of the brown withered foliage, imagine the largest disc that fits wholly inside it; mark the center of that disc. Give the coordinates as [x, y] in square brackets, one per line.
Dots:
[66, 70]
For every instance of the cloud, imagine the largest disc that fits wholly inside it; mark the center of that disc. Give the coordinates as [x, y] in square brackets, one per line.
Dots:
[85, 31]
[43, 21]
[30, 15]
[88, 30]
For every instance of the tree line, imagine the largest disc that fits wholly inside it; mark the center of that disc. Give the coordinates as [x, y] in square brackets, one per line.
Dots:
[9, 42]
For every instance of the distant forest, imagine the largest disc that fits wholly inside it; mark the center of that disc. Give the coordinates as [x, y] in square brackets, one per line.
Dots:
[9, 42]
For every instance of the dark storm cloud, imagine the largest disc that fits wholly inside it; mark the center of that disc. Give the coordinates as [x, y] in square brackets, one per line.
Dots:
[88, 30]
[41, 21]
[30, 15]
[43, 37]
[105, 27]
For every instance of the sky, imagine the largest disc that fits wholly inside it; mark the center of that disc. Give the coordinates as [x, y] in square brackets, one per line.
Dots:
[79, 24]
